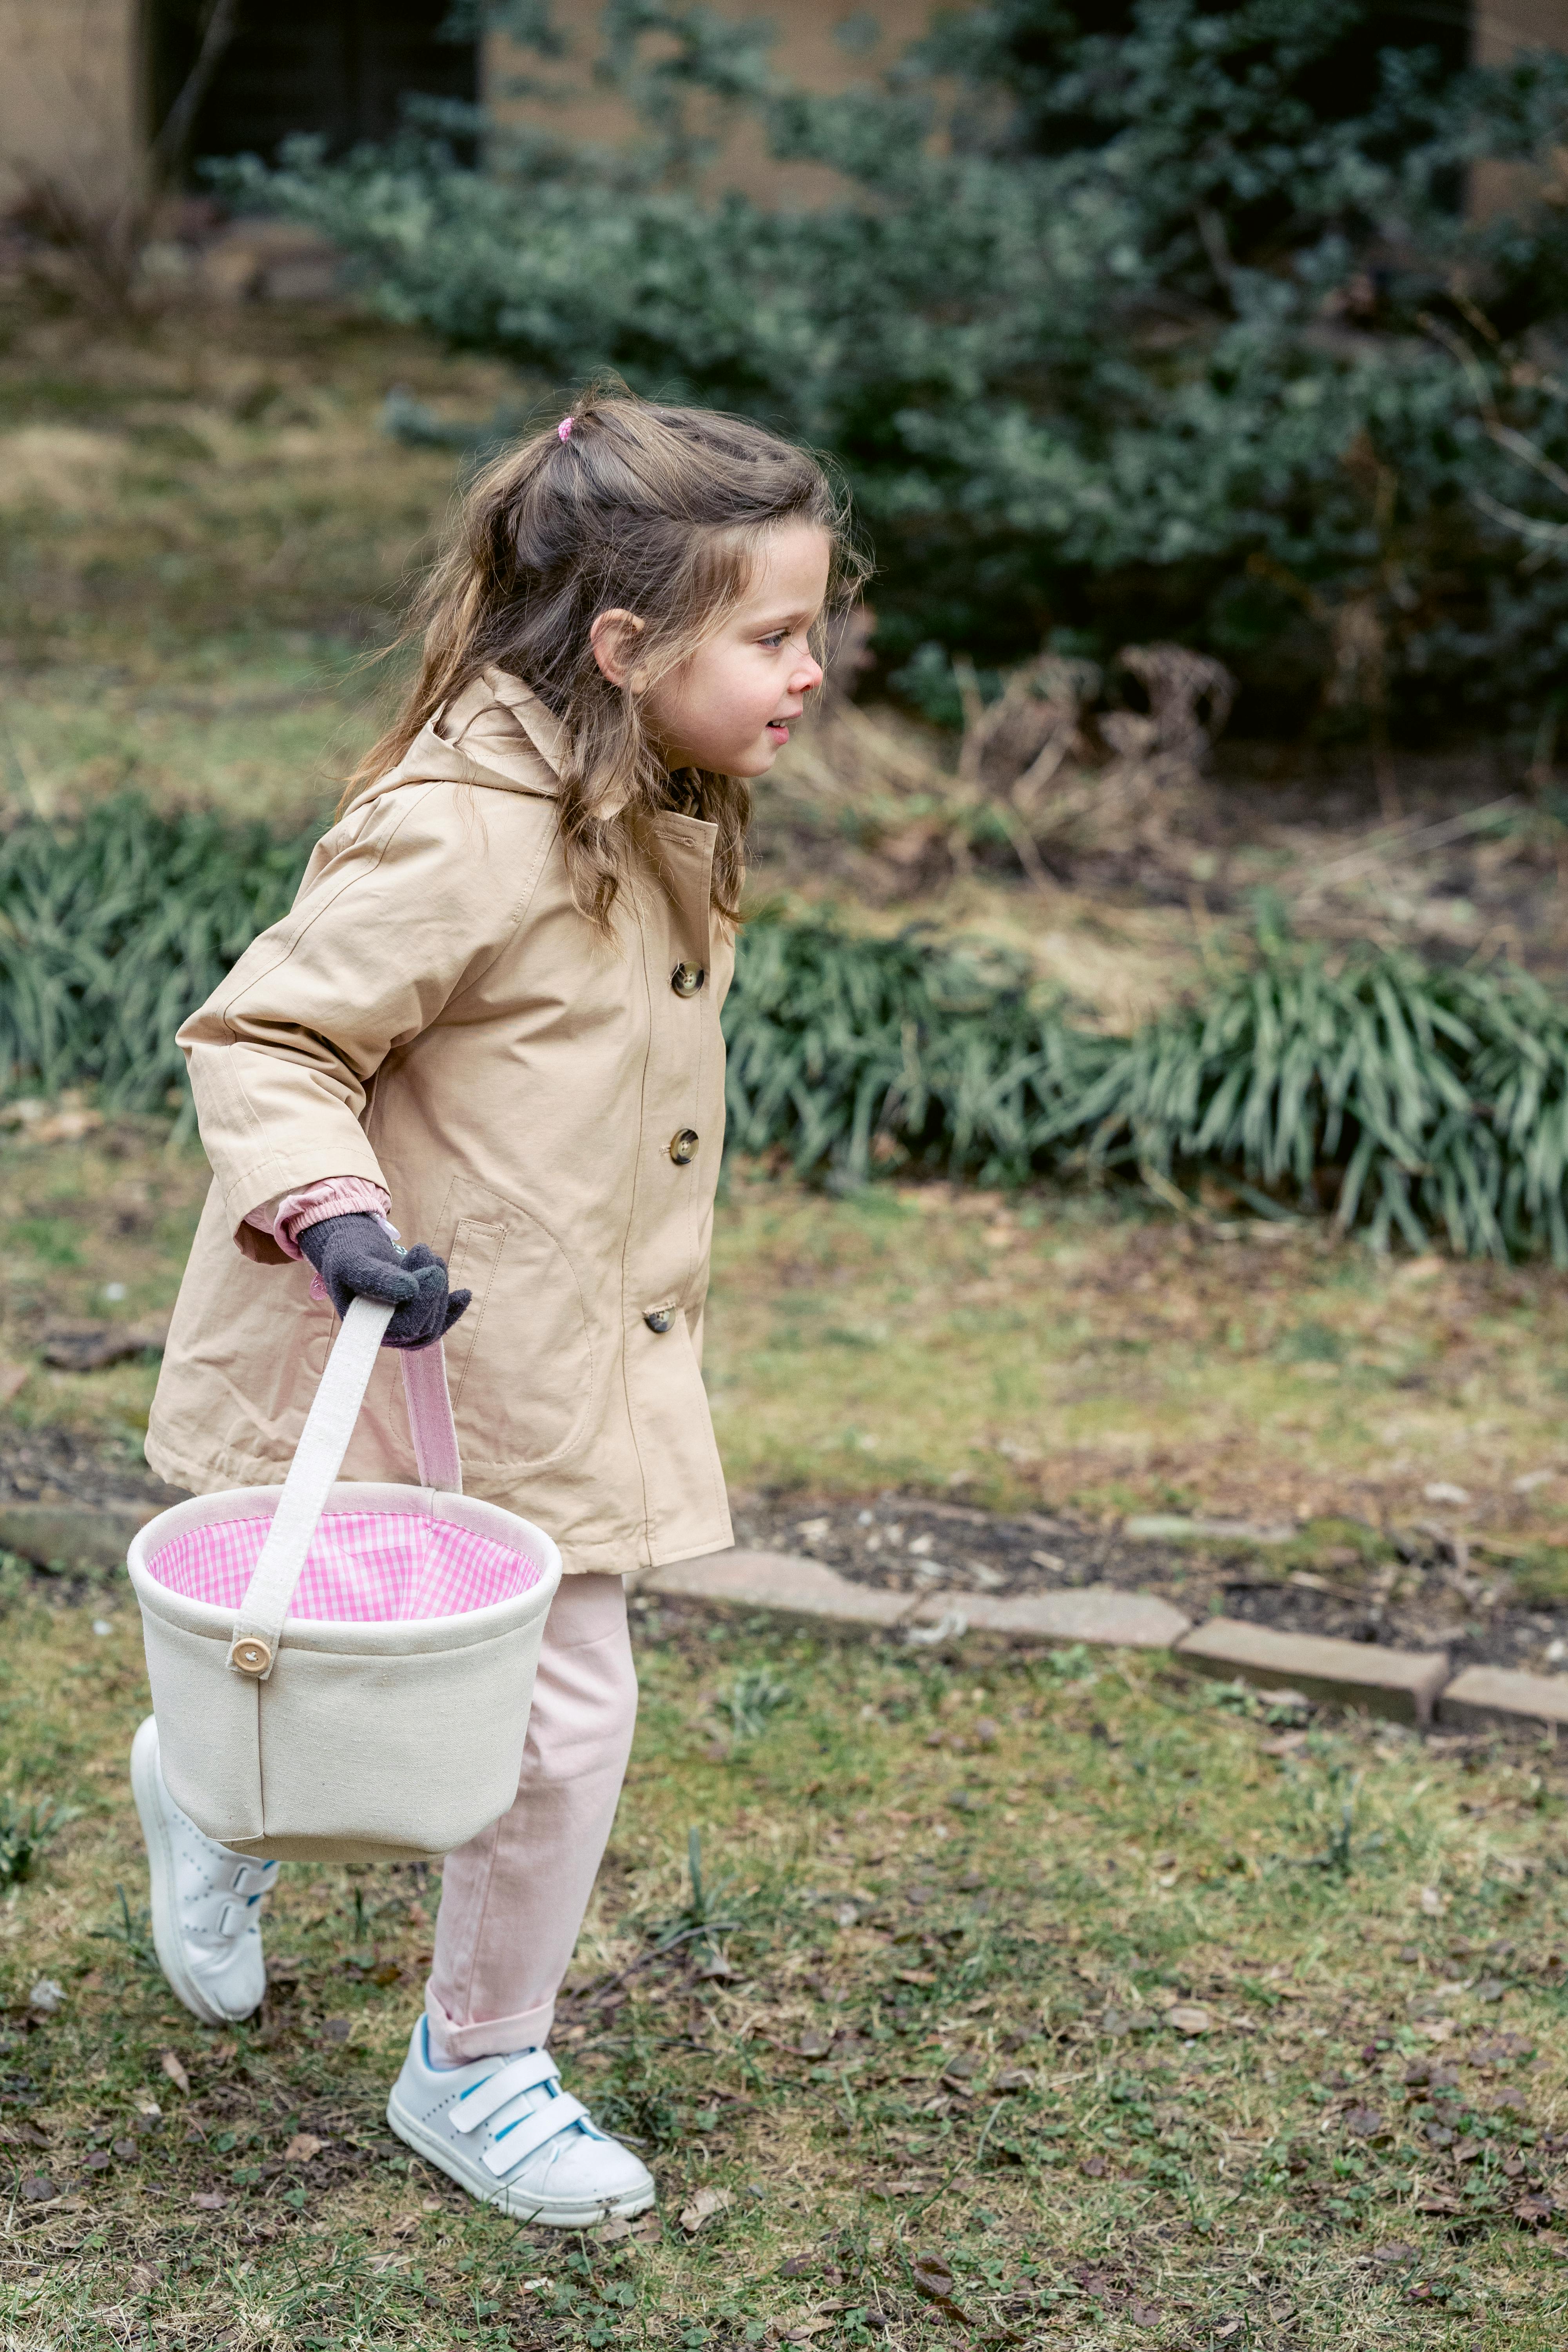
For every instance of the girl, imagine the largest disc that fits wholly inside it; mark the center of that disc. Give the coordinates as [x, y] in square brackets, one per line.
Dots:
[493, 1012]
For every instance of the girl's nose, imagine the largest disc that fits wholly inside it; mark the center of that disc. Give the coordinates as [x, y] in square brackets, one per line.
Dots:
[806, 675]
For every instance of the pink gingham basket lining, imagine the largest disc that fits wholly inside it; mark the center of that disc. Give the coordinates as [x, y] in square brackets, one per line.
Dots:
[363, 1568]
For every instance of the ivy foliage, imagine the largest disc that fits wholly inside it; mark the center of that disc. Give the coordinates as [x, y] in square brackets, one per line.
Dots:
[1184, 327]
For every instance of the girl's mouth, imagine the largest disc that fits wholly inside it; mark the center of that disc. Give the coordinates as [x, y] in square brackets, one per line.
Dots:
[777, 731]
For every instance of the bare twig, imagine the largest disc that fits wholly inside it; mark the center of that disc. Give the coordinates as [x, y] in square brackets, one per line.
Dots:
[218, 32]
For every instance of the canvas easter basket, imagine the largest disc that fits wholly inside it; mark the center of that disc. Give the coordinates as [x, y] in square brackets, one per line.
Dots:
[342, 1672]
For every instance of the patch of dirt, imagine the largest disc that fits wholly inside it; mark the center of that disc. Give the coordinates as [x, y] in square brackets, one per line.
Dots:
[59, 1470]
[1416, 1591]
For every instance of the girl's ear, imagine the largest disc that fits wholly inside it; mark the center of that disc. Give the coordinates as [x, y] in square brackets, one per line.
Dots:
[613, 638]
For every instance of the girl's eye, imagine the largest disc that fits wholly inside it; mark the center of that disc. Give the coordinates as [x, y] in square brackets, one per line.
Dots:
[775, 640]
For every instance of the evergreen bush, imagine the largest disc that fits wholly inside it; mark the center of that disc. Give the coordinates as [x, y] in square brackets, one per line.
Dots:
[1178, 328]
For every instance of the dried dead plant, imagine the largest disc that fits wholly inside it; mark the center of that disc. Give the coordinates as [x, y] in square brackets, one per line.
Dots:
[1040, 768]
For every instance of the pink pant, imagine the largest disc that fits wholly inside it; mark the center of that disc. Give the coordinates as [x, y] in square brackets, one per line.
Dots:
[512, 1899]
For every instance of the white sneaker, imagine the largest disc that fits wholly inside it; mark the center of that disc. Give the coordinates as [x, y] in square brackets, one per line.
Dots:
[514, 2138]
[206, 1900]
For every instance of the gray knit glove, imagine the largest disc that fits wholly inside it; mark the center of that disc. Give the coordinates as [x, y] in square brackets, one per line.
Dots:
[356, 1257]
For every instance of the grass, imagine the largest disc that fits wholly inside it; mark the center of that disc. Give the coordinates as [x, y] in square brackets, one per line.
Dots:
[1022, 1351]
[205, 529]
[1078, 1984]
[946, 1868]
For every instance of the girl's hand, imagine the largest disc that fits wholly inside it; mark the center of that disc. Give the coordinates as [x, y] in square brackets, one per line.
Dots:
[356, 1259]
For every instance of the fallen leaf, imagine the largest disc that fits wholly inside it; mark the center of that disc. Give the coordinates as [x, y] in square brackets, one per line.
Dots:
[144, 2276]
[1015, 2078]
[1437, 2200]
[934, 2279]
[813, 2043]
[175, 2071]
[703, 2206]
[210, 2200]
[1531, 2210]
[1438, 2029]
[1363, 2123]
[914, 1976]
[1094, 2167]
[302, 2148]
[1188, 2017]
[715, 1966]
[1433, 1903]
[406, 2227]
[38, 2189]
[1144, 2315]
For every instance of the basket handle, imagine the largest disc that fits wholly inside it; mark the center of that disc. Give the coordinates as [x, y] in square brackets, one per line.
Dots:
[318, 1457]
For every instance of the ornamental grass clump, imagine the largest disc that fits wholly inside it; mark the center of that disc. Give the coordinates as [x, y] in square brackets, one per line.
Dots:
[1409, 1100]
[849, 1054]
[1416, 1101]
[113, 926]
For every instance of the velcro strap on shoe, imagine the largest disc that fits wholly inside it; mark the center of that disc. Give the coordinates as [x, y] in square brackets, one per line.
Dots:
[524, 2072]
[518, 2142]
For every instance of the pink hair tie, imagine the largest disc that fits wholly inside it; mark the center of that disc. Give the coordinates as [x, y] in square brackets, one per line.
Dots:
[563, 430]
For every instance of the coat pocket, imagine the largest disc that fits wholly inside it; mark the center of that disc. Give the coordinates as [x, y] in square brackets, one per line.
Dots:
[520, 1363]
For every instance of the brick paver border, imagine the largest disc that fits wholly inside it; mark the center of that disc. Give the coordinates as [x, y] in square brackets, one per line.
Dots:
[1406, 1686]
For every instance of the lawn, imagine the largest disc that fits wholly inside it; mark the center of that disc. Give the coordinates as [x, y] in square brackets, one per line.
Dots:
[1030, 1351]
[1035, 1997]
[1083, 1998]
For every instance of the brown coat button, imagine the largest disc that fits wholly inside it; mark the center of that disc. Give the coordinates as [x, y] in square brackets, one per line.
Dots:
[683, 1146]
[686, 978]
[659, 1318]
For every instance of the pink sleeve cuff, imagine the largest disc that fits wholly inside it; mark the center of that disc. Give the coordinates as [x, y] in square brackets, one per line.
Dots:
[333, 1196]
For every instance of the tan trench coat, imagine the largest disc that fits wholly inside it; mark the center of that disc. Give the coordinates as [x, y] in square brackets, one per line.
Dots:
[545, 1108]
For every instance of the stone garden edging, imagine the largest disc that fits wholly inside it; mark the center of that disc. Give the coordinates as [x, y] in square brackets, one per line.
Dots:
[1402, 1685]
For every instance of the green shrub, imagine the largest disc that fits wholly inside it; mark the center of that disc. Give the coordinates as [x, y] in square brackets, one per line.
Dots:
[113, 928]
[1176, 329]
[1414, 1101]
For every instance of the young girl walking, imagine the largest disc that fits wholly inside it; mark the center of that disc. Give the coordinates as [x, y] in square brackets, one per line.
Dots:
[492, 1015]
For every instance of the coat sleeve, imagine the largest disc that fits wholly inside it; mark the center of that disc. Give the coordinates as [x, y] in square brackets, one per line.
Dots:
[400, 907]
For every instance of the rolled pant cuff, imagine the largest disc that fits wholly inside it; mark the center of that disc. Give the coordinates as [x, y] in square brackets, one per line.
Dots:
[497, 2037]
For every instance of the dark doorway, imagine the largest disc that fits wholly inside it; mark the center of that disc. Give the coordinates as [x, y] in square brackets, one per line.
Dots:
[339, 67]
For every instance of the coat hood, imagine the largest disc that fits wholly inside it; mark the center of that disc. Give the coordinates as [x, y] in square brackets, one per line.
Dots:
[496, 733]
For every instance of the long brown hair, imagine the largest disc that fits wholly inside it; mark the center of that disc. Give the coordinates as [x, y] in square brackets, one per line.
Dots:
[659, 511]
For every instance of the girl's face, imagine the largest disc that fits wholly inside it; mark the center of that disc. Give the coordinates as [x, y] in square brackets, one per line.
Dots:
[730, 708]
